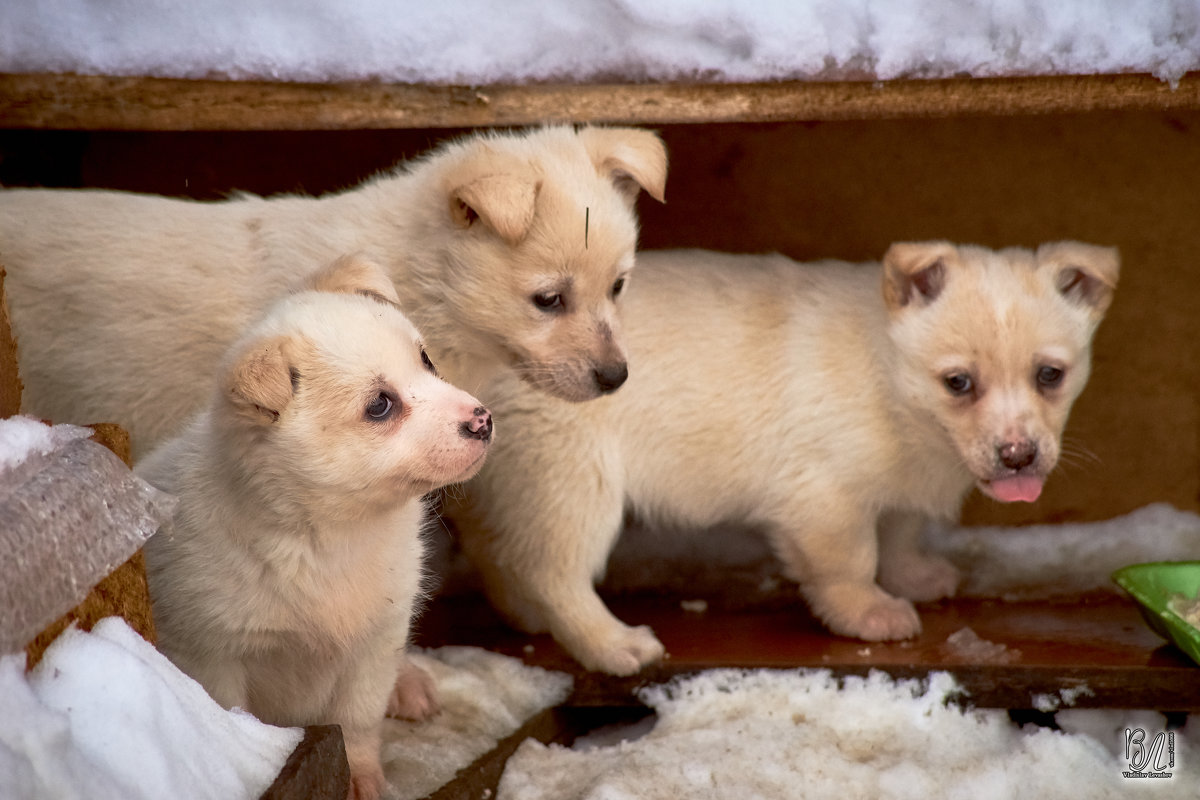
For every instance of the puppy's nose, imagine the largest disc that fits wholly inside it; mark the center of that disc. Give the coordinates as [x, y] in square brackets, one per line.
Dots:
[479, 426]
[610, 377]
[1017, 455]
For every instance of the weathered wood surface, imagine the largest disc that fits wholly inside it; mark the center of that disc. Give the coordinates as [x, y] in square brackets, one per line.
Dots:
[62, 101]
[1096, 648]
[316, 769]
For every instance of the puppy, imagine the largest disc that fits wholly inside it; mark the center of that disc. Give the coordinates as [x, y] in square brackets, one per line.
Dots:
[507, 250]
[827, 403]
[286, 581]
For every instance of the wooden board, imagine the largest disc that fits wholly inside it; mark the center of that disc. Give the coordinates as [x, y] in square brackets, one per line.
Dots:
[1097, 647]
[81, 102]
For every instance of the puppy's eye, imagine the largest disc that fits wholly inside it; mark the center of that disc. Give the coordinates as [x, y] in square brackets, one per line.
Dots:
[381, 407]
[427, 362]
[549, 302]
[618, 286]
[959, 384]
[1049, 377]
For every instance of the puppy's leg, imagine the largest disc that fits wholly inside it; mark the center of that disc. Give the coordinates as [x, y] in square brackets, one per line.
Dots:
[358, 704]
[831, 551]
[223, 677]
[414, 695]
[904, 569]
[540, 547]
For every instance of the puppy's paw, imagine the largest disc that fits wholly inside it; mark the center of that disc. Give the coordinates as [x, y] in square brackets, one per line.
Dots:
[624, 652]
[920, 578]
[866, 612]
[366, 784]
[414, 695]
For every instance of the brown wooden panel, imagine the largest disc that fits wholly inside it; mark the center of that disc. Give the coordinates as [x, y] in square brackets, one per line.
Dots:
[10, 382]
[115, 103]
[316, 769]
[1099, 642]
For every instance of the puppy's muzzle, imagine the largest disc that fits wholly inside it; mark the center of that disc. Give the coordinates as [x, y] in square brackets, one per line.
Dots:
[479, 426]
[610, 376]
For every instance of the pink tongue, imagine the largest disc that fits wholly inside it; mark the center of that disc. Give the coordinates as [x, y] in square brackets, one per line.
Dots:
[1022, 488]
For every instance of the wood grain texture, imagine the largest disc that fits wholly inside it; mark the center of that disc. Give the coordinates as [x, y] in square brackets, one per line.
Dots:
[1096, 645]
[316, 769]
[10, 381]
[81, 102]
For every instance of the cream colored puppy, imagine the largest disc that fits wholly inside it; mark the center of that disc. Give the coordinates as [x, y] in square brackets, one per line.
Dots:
[507, 251]
[286, 581]
[825, 402]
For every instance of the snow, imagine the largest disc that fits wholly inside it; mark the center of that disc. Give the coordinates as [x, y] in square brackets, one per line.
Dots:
[1013, 563]
[104, 715]
[485, 697]
[969, 646]
[479, 42]
[1041, 561]
[763, 734]
[22, 438]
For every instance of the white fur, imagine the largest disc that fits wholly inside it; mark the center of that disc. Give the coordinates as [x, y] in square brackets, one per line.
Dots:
[123, 304]
[809, 399]
[286, 581]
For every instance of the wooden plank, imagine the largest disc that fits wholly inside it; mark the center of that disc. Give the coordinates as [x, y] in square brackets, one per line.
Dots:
[553, 725]
[10, 381]
[61, 101]
[316, 769]
[1096, 646]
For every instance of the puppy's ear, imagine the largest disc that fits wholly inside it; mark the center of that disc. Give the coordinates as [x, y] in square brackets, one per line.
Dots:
[354, 274]
[1085, 274]
[634, 159]
[915, 272]
[259, 384]
[504, 202]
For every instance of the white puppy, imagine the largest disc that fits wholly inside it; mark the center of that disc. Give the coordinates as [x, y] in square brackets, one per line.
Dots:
[820, 401]
[507, 251]
[286, 581]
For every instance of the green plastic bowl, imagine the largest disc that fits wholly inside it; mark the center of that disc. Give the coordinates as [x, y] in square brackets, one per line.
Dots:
[1152, 586]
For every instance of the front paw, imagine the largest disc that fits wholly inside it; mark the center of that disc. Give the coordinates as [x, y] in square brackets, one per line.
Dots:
[866, 612]
[414, 695]
[366, 785]
[624, 651]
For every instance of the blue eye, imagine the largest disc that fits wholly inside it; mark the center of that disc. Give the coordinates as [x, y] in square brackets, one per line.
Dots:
[381, 407]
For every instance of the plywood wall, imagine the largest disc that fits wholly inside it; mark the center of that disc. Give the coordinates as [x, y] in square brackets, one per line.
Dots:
[846, 190]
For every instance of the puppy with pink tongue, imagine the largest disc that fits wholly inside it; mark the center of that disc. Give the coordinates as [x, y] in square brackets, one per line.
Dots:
[836, 406]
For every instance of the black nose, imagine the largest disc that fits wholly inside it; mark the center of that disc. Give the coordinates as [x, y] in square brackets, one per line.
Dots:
[1017, 455]
[610, 377]
[479, 426]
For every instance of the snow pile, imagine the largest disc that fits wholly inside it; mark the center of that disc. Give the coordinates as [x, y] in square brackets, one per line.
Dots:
[768, 734]
[735, 565]
[104, 715]
[485, 697]
[70, 513]
[25, 438]
[1041, 561]
[479, 42]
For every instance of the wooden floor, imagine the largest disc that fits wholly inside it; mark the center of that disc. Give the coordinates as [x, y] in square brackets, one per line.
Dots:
[1096, 649]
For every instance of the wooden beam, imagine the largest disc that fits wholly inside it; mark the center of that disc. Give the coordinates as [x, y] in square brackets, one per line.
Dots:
[1094, 651]
[60, 101]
